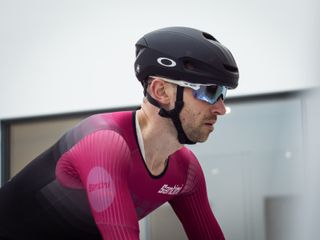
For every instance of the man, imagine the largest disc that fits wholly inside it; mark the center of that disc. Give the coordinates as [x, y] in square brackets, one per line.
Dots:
[113, 169]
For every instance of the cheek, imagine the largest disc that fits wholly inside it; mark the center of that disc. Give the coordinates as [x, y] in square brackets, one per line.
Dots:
[189, 116]
[192, 107]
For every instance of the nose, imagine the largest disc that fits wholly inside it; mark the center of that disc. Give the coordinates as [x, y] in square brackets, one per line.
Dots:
[219, 108]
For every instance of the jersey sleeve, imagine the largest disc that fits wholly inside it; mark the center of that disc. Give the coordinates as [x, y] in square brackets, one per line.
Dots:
[193, 209]
[100, 163]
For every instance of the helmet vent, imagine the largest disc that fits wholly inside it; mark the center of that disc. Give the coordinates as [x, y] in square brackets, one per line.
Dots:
[189, 65]
[196, 66]
[230, 68]
[208, 36]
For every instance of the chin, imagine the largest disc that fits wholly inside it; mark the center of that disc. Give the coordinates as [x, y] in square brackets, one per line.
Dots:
[206, 136]
[202, 139]
[199, 137]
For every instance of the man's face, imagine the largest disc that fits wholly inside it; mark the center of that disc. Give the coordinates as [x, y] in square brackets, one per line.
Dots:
[198, 117]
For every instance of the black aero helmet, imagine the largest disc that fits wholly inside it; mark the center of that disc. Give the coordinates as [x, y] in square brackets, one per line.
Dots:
[187, 54]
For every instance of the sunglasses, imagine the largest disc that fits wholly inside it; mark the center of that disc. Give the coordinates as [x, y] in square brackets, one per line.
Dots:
[205, 92]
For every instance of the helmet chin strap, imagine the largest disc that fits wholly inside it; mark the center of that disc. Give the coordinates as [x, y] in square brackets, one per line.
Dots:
[173, 114]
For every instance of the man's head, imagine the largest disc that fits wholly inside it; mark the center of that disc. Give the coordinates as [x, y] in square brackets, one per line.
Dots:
[188, 59]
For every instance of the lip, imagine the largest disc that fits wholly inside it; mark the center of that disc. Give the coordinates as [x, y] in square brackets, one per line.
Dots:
[210, 126]
[210, 123]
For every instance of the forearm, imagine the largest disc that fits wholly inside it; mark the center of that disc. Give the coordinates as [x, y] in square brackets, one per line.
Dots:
[197, 219]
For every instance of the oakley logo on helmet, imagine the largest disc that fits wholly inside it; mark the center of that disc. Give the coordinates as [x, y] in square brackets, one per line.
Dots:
[167, 62]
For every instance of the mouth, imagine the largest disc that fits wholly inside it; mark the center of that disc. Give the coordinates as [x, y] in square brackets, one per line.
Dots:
[210, 124]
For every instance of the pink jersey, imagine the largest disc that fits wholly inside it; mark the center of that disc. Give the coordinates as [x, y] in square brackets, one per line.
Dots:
[107, 163]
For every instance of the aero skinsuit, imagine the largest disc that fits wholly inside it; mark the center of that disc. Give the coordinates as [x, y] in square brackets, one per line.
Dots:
[94, 184]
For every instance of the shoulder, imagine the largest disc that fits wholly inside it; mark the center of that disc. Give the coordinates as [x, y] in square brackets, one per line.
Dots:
[105, 140]
[99, 133]
[185, 155]
[111, 121]
[187, 161]
[96, 153]
[114, 121]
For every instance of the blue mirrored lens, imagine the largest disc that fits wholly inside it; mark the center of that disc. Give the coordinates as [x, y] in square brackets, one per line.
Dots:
[210, 94]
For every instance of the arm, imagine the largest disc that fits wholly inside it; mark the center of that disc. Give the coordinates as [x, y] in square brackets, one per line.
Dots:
[100, 164]
[193, 208]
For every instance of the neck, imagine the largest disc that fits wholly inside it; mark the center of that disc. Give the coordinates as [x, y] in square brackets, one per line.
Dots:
[159, 137]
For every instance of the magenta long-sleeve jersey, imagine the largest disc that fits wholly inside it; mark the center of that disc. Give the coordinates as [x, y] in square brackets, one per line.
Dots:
[95, 177]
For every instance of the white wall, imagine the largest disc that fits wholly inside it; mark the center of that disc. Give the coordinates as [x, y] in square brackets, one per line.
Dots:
[65, 56]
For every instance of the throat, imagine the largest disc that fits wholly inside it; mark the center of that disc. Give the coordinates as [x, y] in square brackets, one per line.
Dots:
[154, 166]
[140, 139]
[156, 140]
[157, 168]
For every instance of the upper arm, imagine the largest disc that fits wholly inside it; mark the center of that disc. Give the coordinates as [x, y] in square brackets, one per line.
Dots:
[193, 209]
[100, 162]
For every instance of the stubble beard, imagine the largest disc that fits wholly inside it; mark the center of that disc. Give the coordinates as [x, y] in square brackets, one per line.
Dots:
[197, 133]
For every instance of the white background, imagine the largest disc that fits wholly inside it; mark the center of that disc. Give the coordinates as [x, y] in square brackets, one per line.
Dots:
[71, 55]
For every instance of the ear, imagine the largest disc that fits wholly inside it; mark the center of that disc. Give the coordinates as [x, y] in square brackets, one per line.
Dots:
[160, 91]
